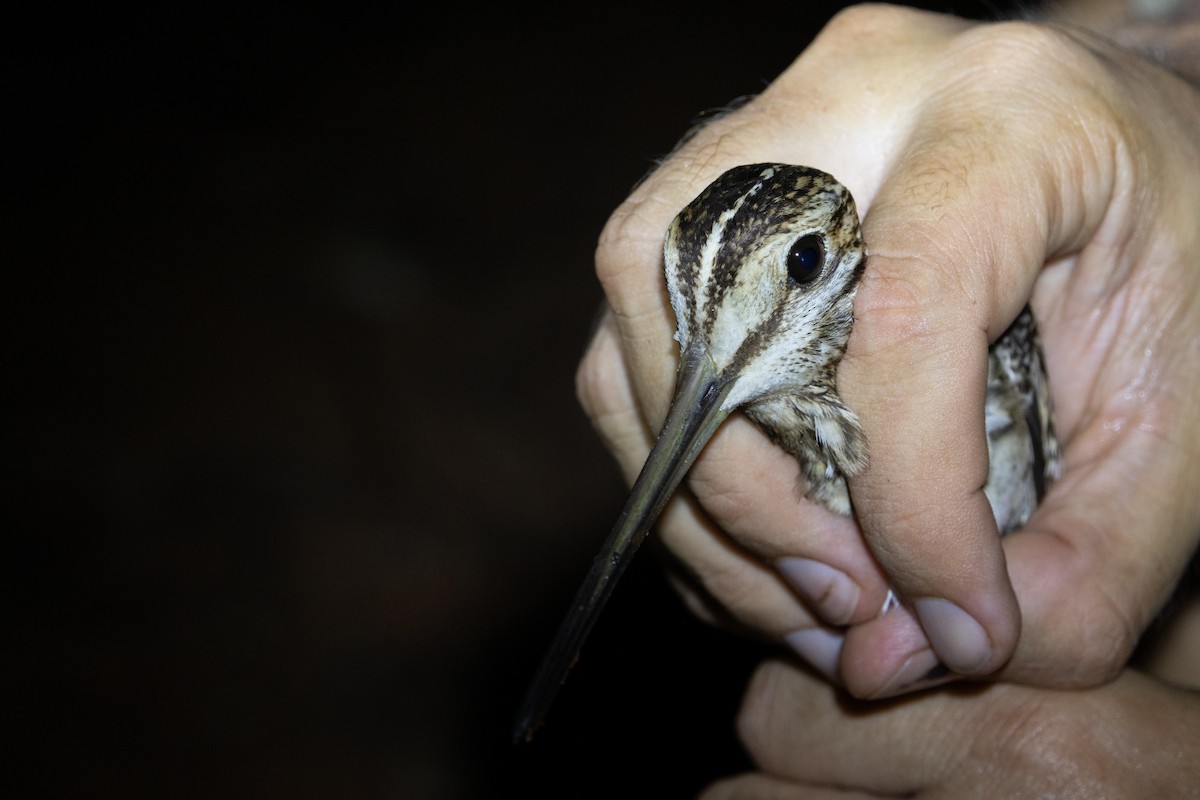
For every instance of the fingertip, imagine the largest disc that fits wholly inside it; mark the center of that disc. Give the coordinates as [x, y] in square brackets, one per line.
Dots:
[829, 591]
[960, 641]
[821, 648]
[918, 645]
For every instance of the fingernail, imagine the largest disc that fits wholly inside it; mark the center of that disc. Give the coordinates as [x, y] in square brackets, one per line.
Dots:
[960, 641]
[829, 591]
[919, 671]
[821, 648]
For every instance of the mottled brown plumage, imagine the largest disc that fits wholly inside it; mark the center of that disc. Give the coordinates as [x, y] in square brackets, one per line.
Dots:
[761, 269]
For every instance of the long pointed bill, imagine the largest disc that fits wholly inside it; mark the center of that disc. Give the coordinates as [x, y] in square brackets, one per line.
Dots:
[695, 415]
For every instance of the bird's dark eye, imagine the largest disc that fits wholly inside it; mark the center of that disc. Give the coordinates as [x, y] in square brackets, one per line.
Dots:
[805, 259]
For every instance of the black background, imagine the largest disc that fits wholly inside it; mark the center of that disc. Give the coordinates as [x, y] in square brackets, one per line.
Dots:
[297, 302]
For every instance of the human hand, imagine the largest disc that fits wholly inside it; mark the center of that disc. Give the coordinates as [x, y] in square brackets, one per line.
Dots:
[1135, 737]
[993, 163]
[1132, 738]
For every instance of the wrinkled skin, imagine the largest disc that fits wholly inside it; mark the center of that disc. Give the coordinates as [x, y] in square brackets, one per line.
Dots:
[993, 163]
[1132, 738]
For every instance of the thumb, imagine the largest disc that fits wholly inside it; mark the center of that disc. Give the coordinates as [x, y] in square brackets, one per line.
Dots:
[957, 237]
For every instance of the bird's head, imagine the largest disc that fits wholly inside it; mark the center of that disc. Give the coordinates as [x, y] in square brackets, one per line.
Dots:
[761, 270]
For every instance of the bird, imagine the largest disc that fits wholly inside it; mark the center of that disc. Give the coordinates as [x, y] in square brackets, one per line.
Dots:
[761, 269]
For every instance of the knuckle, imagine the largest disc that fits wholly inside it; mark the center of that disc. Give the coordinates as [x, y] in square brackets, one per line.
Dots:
[1111, 636]
[593, 384]
[1109, 626]
[1011, 51]
[853, 21]
[625, 234]
[1007, 62]
[1093, 643]
[633, 234]
[891, 309]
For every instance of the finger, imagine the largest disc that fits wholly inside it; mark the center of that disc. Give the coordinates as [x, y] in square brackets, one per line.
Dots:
[957, 235]
[901, 658]
[723, 583]
[915, 372]
[799, 728]
[752, 490]
[999, 740]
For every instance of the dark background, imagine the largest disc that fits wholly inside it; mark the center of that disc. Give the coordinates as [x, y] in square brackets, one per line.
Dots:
[297, 300]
